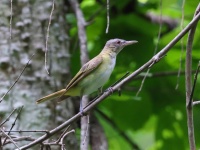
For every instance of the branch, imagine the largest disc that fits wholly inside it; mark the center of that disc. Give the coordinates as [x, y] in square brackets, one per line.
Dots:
[188, 79]
[81, 23]
[23, 138]
[81, 31]
[7, 136]
[195, 81]
[11, 12]
[196, 103]
[47, 36]
[108, 17]
[13, 124]
[20, 131]
[8, 118]
[182, 47]
[17, 78]
[151, 62]
[160, 74]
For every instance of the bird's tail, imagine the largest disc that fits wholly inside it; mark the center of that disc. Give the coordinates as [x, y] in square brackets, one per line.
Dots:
[52, 96]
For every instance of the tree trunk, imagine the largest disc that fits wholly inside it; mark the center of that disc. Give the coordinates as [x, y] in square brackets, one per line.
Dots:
[29, 24]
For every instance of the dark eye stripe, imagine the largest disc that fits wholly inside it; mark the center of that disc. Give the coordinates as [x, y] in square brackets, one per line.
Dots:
[118, 42]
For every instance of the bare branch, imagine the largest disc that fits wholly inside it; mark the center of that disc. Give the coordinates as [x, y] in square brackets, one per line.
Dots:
[151, 62]
[81, 31]
[108, 17]
[182, 46]
[156, 47]
[7, 119]
[47, 36]
[23, 138]
[188, 80]
[20, 131]
[14, 122]
[195, 81]
[17, 79]
[161, 74]
[11, 11]
[62, 134]
[84, 58]
[196, 103]
[9, 138]
[63, 137]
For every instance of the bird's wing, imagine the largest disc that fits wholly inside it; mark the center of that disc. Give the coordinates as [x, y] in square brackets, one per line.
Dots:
[85, 70]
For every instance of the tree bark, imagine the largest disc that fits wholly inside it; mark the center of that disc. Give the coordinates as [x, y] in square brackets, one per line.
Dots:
[29, 28]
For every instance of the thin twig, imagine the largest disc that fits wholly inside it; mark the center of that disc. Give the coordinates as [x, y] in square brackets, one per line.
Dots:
[182, 46]
[196, 103]
[9, 138]
[63, 137]
[151, 62]
[20, 131]
[194, 84]
[47, 36]
[126, 74]
[156, 47]
[11, 11]
[108, 17]
[62, 134]
[14, 122]
[22, 138]
[17, 79]
[161, 74]
[7, 119]
[142, 83]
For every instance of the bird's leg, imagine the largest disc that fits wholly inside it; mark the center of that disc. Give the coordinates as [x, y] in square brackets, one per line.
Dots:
[110, 89]
[100, 91]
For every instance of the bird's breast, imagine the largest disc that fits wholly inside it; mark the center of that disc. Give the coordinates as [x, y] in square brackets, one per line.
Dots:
[99, 76]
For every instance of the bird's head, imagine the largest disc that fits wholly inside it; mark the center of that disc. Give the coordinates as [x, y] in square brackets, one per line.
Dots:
[116, 45]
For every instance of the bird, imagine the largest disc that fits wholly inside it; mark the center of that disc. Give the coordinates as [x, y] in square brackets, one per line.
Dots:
[92, 75]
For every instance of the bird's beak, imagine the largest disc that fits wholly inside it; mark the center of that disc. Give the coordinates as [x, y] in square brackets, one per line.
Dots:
[130, 42]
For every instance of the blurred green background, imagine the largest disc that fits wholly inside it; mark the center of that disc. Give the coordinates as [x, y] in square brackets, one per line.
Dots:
[156, 118]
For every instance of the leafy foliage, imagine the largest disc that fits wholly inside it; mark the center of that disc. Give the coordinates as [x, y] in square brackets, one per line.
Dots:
[156, 118]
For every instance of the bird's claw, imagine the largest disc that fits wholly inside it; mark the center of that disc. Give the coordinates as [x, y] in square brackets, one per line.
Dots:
[110, 89]
[155, 59]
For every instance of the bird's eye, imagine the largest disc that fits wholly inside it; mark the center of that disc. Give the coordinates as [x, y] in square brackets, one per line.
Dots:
[118, 42]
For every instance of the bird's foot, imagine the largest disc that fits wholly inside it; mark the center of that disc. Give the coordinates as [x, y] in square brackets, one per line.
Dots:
[100, 91]
[156, 59]
[110, 89]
